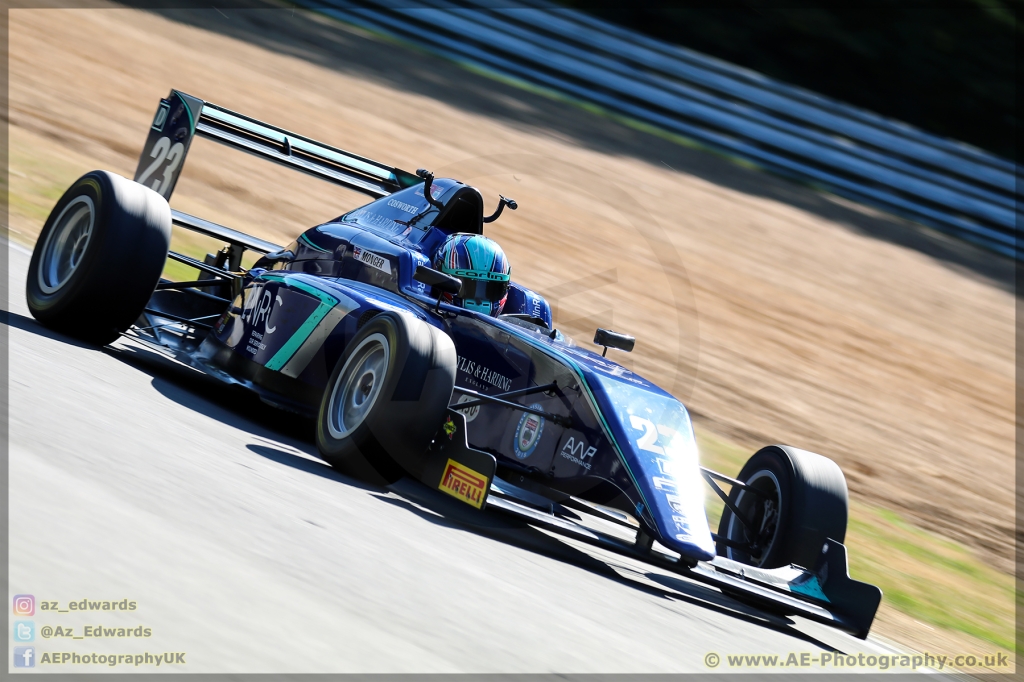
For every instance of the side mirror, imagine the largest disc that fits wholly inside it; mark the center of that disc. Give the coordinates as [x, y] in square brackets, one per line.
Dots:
[502, 203]
[435, 278]
[428, 184]
[610, 339]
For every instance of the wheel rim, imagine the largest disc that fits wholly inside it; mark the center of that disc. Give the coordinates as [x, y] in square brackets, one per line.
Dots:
[358, 385]
[66, 244]
[764, 512]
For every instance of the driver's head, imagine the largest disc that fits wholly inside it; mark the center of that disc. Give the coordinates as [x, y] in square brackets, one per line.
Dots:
[481, 265]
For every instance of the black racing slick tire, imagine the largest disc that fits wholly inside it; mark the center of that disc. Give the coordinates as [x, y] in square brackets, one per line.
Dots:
[803, 501]
[386, 398]
[99, 257]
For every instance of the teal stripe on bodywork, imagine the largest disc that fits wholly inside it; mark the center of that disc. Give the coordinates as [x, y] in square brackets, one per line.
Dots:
[285, 353]
[812, 588]
[298, 143]
[188, 110]
[306, 240]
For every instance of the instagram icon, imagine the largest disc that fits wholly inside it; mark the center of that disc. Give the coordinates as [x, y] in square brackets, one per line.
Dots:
[24, 605]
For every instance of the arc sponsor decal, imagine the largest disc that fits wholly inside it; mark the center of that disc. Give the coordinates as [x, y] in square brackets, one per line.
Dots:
[294, 353]
[449, 428]
[528, 433]
[578, 452]
[462, 482]
[258, 305]
[257, 309]
[372, 259]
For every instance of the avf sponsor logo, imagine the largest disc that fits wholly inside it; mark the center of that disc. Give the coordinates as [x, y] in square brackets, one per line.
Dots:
[578, 452]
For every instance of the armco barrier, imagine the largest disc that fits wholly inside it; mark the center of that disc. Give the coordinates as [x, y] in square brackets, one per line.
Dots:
[941, 183]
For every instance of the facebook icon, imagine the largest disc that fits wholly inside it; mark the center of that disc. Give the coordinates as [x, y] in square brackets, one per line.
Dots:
[24, 657]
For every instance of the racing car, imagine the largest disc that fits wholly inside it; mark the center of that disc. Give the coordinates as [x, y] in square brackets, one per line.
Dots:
[355, 325]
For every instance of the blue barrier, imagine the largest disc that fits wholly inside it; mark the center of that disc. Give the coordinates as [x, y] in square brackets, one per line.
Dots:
[941, 183]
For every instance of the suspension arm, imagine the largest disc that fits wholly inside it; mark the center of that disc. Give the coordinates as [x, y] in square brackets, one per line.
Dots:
[483, 397]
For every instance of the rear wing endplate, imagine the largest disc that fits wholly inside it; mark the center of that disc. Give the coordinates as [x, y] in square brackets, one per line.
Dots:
[181, 117]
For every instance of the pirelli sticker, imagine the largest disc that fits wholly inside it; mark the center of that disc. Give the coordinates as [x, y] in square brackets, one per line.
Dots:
[462, 482]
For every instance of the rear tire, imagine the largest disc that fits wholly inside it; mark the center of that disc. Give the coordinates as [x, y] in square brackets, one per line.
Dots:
[99, 257]
[804, 502]
[386, 398]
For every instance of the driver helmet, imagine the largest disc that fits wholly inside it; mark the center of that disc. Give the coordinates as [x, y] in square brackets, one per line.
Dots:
[483, 268]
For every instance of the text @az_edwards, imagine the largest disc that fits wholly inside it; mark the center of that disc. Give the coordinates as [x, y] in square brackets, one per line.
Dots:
[95, 632]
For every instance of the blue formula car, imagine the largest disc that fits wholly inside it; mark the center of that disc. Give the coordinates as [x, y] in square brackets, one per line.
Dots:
[397, 327]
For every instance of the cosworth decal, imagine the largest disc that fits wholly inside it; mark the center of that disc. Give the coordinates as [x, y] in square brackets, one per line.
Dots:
[402, 206]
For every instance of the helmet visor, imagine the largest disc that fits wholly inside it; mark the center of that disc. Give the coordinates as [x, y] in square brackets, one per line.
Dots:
[482, 290]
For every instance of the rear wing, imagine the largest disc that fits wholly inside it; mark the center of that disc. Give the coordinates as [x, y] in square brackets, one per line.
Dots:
[181, 117]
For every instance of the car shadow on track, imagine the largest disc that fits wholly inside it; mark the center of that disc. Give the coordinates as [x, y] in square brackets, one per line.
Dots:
[440, 508]
[287, 440]
[308, 464]
[27, 324]
[232, 405]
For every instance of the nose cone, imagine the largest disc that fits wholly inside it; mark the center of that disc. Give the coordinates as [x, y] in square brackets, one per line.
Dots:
[655, 436]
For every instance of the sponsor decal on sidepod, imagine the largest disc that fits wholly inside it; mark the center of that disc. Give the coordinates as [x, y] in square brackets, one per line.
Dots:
[469, 413]
[528, 433]
[372, 259]
[464, 483]
[576, 451]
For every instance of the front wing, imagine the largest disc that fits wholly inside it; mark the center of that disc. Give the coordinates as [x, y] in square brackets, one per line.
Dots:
[826, 594]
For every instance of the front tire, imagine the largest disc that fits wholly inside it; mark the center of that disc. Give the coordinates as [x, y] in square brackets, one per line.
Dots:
[386, 398]
[99, 257]
[803, 501]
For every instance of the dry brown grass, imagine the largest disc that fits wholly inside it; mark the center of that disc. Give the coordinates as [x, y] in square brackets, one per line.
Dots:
[770, 308]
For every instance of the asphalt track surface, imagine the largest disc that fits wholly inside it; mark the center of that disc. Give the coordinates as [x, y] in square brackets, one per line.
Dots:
[134, 478]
